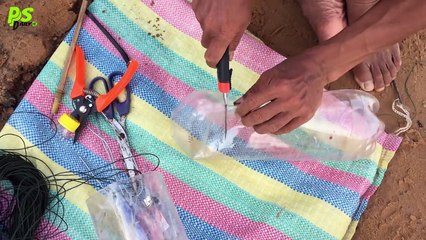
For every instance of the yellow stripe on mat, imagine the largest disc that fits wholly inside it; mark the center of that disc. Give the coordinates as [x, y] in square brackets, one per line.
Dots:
[76, 196]
[351, 230]
[385, 158]
[322, 214]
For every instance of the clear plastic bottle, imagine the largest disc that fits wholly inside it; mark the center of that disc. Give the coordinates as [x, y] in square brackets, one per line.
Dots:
[345, 127]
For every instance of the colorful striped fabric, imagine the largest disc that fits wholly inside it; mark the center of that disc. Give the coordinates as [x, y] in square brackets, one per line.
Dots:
[224, 199]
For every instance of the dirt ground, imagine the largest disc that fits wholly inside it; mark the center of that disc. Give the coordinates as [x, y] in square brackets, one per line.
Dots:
[396, 211]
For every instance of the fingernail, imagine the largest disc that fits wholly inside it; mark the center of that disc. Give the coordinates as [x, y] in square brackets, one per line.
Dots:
[368, 86]
[238, 101]
[380, 89]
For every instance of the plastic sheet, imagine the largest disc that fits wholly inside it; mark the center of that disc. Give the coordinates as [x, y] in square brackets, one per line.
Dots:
[345, 127]
[136, 208]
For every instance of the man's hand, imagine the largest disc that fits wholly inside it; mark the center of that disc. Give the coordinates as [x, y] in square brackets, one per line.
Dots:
[223, 23]
[292, 91]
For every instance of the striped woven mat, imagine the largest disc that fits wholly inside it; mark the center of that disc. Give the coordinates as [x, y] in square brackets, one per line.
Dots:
[224, 199]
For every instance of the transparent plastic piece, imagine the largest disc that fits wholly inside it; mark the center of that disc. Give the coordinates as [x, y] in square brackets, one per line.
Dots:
[345, 127]
[136, 208]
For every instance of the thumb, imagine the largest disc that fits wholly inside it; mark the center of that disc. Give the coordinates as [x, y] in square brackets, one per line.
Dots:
[215, 51]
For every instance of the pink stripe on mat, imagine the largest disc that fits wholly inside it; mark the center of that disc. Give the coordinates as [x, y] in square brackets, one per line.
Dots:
[370, 191]
[348, 180]
[59, 235]
[179, 90]
[390, 142]
[223, 217]
[250, 52]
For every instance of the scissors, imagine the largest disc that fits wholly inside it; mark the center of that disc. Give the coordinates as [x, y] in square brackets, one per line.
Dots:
[121, 109]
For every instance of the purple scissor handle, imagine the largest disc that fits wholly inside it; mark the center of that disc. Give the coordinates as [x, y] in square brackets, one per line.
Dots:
[109, 111]
[122, 108]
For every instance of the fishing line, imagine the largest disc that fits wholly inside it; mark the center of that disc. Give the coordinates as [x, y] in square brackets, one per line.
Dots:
[33, 196]
[23, 225]
[398, 106]
[104, 142]
[30, 194]
[25, 148]
[407, 92]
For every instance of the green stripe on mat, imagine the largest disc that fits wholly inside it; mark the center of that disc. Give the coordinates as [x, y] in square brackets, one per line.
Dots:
[364, 168]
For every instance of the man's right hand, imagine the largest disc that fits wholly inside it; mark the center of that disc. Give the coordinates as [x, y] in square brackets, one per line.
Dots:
[223, 23]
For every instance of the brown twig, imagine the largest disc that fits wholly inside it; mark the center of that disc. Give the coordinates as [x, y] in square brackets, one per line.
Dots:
[60, 90]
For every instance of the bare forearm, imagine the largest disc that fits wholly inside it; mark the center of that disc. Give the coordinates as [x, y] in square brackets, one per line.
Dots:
[385, 24]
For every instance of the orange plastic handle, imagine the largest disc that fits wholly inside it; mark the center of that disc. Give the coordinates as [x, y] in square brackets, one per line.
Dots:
[80, 83]
[104, 100]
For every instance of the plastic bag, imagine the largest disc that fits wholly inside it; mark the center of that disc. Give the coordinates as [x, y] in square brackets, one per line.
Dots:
[136, 208]
[345, 127]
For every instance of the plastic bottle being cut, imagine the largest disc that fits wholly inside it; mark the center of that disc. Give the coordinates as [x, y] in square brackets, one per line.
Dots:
[345, 127]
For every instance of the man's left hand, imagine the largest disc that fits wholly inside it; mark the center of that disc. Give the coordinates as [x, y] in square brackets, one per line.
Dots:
[284, 97]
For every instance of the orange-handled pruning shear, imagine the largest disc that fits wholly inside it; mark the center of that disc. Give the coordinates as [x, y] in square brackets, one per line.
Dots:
[86, 100]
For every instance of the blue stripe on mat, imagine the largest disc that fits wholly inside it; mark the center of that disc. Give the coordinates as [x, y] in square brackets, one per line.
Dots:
[197, 228]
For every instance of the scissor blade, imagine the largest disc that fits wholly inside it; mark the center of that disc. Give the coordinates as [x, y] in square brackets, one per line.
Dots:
[121, 135]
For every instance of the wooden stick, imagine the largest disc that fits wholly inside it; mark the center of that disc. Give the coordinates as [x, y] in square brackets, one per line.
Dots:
[60, 90]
